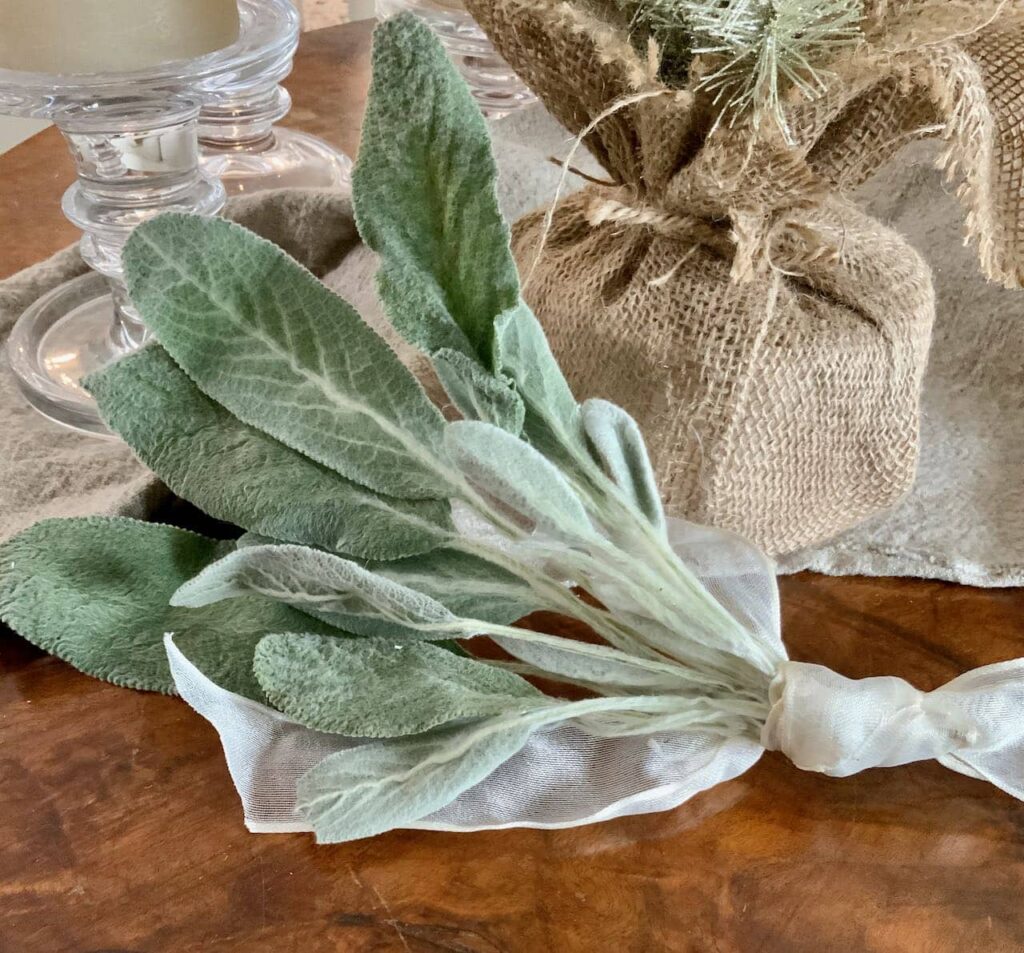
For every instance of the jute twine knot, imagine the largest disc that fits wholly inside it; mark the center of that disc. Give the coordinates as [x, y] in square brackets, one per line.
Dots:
[756, 236]
[757, 239]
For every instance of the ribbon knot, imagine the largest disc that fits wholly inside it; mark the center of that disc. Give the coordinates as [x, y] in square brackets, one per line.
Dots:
[837, 726]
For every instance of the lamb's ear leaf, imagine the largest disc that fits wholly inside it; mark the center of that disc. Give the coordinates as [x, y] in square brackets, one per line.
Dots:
[596, 665]
[523, 355]
[377, 787]
[519, 476]
[477, 394]
[425, 197]
[265, 339]
[239, 474]
[618, 445]
[469, 586]
[375, 688]
[310, 579]
[95, 592]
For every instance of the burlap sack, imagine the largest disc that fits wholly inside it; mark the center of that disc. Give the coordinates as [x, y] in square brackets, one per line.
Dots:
[768, 335]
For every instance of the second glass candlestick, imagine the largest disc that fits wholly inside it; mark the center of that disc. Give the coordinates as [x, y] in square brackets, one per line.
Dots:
[239, 140]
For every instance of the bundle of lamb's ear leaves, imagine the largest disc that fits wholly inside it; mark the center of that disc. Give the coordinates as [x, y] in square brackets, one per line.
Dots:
[270, 404]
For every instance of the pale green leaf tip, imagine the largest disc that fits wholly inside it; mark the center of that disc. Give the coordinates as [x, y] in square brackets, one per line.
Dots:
[404, 27]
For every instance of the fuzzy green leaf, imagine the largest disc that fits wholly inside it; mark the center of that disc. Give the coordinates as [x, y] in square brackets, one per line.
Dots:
[596, 665]
[523, 355]
[618, 445]
[314, 580]
[225, 655]
[425, 197]
[477, 394]
[240, 474]
[375, 688]
[374, 788]
[268, 341]
[514, 473]
[377, 787]
[469, 586]
[95, 592]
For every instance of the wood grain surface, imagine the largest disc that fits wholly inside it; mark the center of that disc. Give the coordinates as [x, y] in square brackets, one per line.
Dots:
[121, 833]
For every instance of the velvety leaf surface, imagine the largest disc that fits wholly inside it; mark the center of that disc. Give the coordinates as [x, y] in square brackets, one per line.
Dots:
[376, 787]
[375, 688]
[478, 394]
[618, 445]
[517, 475]
[310, 579]
[522, 353]
[425, 197]
[238, 473]
[95, 592]
[469, 586]
[596, 665]
[269, 342]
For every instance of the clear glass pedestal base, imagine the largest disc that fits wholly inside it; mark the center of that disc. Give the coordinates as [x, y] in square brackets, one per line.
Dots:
[291, 159]
[61, 339]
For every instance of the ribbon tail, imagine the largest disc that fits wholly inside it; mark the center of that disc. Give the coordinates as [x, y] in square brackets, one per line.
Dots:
[973, 725]
[993, 699]
[994, 773]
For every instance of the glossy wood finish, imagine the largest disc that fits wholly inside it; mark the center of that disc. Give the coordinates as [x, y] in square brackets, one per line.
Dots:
[121, 832]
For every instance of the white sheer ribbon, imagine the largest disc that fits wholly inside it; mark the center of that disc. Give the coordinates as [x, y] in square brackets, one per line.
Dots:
[562, 778]
[565, 777]
[974, 724]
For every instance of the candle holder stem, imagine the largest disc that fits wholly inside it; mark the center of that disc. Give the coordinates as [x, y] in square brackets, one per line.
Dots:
[134, 158]
[239, 141]
[134, 136]
[243, 121]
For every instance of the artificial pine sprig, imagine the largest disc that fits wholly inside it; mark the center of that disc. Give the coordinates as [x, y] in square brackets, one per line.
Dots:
[664, 22]
[769, 48]
[761, 51]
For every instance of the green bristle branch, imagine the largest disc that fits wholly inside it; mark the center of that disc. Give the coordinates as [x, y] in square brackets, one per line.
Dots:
[761, 50]
[665, 22]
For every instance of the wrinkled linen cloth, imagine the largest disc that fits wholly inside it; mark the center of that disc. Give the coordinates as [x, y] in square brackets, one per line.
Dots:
[963, 520]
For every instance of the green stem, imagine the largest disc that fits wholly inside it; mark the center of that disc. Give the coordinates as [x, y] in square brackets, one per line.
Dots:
[560, 599]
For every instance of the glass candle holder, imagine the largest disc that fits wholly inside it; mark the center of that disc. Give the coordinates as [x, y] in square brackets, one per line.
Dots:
[493, 83]
[134, 140]
[238, 139]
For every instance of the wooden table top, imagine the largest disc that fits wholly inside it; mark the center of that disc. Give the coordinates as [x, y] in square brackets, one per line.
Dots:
[120, 829]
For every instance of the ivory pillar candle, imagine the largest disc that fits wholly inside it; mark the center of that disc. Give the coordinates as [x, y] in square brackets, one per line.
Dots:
[94, 36]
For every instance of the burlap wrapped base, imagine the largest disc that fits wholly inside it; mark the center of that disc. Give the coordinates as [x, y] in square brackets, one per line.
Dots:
[784, 408]
[769, 337]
